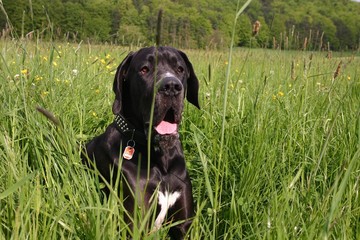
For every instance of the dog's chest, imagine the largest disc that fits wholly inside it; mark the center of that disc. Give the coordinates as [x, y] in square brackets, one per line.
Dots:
[165, 200]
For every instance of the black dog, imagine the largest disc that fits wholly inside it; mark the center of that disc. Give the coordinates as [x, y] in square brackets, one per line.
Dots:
[158, 79]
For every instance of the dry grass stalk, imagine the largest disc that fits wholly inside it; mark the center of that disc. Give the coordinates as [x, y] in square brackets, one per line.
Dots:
[292, 31]
[321, 41]
[305, 43]
[329, 54]
[274, 43]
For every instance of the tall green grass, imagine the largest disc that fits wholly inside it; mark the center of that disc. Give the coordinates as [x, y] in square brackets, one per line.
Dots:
[287, 165]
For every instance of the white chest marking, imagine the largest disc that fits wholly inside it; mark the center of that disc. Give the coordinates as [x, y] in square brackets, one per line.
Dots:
[166, 200]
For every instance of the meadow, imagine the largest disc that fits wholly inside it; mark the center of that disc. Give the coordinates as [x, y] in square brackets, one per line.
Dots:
[273, 153]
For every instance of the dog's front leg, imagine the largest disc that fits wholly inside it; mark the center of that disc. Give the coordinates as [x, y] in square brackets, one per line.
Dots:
[182, 211]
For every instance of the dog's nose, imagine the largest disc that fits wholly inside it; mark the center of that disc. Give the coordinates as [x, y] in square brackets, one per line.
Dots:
[170, 86]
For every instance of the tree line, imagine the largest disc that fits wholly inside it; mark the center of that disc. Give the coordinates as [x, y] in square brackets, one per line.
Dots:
[285, 24]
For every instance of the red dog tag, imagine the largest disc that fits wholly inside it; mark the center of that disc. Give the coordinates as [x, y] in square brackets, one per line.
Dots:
[128, 152]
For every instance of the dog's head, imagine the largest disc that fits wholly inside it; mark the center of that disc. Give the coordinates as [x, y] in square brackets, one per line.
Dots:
[161, 76]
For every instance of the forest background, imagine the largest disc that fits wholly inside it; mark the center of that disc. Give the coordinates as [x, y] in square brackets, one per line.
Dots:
[285, 24]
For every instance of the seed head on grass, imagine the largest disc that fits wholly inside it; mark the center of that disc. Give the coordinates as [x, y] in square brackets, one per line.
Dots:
[337, 72]
[310, 60]
[49, 115]
[293, 69]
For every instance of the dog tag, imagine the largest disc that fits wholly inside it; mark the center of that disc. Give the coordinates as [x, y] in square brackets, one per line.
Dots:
[128, 153]
[129, 150]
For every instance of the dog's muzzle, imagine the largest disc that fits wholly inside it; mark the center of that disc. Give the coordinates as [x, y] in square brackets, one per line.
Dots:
[171, 89]
[170, 86]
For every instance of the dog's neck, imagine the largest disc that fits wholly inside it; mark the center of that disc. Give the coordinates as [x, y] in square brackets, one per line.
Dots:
[128, 130]
[168, 153]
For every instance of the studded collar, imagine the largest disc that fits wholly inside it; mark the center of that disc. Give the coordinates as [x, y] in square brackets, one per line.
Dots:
[129, 130]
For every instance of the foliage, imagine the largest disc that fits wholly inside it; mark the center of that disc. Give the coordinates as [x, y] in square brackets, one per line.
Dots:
[189, 24]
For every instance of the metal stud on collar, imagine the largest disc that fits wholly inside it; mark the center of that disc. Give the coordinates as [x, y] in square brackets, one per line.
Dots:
[124, 127]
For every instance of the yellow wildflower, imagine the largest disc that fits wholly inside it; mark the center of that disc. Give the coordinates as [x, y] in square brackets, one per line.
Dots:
[55, 64]
[94, 114]
[97, 91]
[280, 94]
[103, 61]
[45, 93]
[24, 71]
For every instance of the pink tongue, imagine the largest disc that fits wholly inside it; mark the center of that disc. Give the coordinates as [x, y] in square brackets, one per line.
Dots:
[166, 128]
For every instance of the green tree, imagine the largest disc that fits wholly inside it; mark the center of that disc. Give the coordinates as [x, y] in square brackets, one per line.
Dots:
[244, 31]
[190, 24]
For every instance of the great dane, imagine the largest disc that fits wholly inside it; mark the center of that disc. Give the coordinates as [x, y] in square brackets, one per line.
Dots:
[150, 86]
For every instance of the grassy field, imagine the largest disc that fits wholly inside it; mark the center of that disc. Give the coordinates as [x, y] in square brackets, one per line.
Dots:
[287, 168]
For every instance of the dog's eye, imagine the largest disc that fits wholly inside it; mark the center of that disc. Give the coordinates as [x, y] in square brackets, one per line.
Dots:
[144, 70]
[180, 69]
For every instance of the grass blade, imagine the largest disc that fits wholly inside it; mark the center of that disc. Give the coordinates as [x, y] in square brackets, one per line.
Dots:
[16, 186]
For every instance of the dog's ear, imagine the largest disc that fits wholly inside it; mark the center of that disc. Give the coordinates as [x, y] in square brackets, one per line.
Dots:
[192, 83]
[118, 82]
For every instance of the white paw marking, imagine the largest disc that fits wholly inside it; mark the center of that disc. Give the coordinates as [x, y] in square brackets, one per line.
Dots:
[165, 201]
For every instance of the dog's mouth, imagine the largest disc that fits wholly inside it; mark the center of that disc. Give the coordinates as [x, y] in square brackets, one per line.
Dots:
[168, 125]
